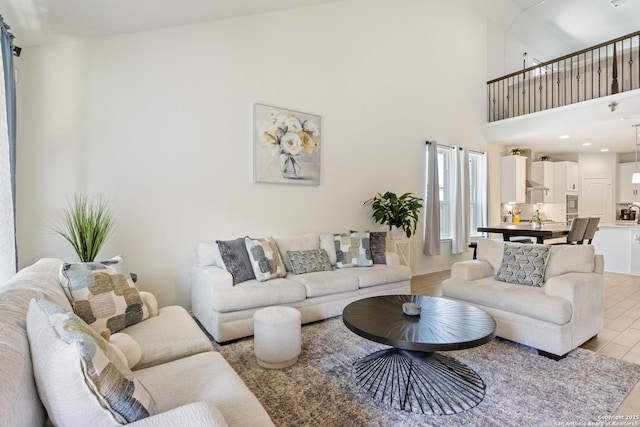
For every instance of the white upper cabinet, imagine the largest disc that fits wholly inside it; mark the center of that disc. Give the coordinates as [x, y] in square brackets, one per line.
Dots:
[627, 192]
[543, 173]
[513, 179]
[565, 180]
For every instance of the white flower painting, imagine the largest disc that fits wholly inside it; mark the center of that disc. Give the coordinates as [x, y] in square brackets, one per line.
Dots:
[286, 146]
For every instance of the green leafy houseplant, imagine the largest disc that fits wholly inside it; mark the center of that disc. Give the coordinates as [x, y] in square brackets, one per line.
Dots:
[399, 211]
[86, 224]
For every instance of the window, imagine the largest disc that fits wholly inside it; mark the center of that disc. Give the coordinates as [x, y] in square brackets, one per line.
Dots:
[477, 191]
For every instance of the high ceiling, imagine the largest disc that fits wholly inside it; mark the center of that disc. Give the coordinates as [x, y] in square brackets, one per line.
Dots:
[551, 28]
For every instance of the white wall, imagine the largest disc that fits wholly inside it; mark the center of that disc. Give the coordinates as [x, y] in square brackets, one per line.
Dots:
[160, 122]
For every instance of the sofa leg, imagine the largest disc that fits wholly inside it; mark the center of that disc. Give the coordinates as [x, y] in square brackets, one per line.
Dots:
[551, 355]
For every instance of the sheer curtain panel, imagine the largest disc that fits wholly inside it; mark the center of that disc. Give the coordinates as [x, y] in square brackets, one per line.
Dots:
[8, 253]
[460, 238]
[432, 203]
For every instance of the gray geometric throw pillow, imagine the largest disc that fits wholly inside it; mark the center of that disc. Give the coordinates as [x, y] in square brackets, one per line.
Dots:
[236, 259]
[523, 264]
[378, 243]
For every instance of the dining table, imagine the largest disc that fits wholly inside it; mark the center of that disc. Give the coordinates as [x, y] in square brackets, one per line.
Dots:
[547, 230]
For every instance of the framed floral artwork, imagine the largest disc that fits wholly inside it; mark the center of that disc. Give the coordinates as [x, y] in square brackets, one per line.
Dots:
[286, 146]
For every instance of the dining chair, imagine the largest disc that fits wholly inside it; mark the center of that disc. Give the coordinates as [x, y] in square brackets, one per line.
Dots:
[590, 231]
[576, 231]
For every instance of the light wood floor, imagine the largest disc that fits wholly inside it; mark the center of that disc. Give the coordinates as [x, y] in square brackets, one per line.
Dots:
[620, 337]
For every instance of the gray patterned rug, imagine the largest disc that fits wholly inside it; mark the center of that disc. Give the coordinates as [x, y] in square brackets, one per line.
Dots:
[522, 388]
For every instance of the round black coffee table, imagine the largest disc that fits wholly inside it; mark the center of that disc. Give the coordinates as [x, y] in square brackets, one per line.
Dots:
[410, 375]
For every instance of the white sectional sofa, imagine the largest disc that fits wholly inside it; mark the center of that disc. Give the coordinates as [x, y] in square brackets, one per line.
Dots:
[226, 308]
[190, 384]
[560, 315]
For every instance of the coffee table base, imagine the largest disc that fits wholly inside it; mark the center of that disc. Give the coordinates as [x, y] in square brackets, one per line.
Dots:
[419, 382]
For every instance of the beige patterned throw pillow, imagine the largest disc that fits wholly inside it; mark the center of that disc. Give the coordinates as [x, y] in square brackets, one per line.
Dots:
[81, 378]
[103, 294]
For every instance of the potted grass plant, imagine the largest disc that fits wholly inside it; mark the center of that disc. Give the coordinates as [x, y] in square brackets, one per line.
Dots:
[86, 224]
[401, 212]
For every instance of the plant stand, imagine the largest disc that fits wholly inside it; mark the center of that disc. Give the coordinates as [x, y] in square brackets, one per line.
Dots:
[402, 247]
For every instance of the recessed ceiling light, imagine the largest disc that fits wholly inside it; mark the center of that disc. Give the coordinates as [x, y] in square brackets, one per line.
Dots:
[604, 150]
[564, 136]
[586, 144]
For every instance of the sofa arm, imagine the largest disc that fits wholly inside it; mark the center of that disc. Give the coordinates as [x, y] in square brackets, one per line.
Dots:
[210, 277]
[197, 414]
[585, 293]
[471, 270]
[150, 301]
[392, 258]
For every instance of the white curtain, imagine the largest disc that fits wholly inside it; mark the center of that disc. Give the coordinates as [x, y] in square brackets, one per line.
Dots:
[460, 238]
[432, 203]
[8, 255]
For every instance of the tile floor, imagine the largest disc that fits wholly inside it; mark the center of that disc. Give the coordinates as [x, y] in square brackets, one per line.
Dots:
[620, 337]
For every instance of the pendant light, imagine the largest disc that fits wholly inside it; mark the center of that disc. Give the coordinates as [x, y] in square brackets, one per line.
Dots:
[635, 179]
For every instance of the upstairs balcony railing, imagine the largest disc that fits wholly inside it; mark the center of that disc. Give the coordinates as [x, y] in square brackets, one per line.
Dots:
[605, 69]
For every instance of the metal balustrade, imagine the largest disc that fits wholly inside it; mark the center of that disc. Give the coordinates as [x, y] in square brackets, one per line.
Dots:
[605, 69]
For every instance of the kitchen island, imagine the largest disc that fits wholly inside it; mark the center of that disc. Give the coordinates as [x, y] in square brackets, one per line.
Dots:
[620, 245]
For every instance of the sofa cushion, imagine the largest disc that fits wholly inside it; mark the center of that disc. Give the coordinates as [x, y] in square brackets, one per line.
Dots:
[325, 283]
[103, 294]
[570, 259]
[353, 249]
[298, 242]
[327, 243]
[378, 274]
[310, 261]
[236, 259]
[204, 377]
[491, 251]
[253, 294]
[528, 301]
[170, 335]
[378, 244]
[81, 379]
[208, 253]
[523, 264]
[265, 258]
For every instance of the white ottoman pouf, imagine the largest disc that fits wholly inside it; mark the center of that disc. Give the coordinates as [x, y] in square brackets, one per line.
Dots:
[276, 336]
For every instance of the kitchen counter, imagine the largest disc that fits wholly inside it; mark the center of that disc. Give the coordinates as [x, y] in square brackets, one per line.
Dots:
[620, 244]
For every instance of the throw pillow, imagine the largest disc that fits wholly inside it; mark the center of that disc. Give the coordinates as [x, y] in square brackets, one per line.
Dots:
[378, 244]
[80, 377]
[353, 249]
[236, 259]
[309, 261]
[103, 294]
[265, 259]
[523, 264]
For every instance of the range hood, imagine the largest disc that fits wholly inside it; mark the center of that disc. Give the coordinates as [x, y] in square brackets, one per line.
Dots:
[531, 185]
[534, 186]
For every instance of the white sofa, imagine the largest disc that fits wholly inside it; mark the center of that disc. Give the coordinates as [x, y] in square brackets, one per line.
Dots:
[226, 310]
[566, 311]
[191, 384]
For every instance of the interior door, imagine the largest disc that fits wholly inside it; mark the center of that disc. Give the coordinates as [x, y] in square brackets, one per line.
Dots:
[597, 198]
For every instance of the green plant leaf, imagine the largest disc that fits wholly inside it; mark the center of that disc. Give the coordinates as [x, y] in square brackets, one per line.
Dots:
[86, 224]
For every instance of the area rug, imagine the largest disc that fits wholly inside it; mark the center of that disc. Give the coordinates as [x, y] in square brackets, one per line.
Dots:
[522, 388]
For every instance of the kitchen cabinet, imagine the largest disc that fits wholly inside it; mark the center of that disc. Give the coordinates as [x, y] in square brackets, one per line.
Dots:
[627, 192]
[543, 173]
[565, 180]
[620, 246]
[513, 177]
